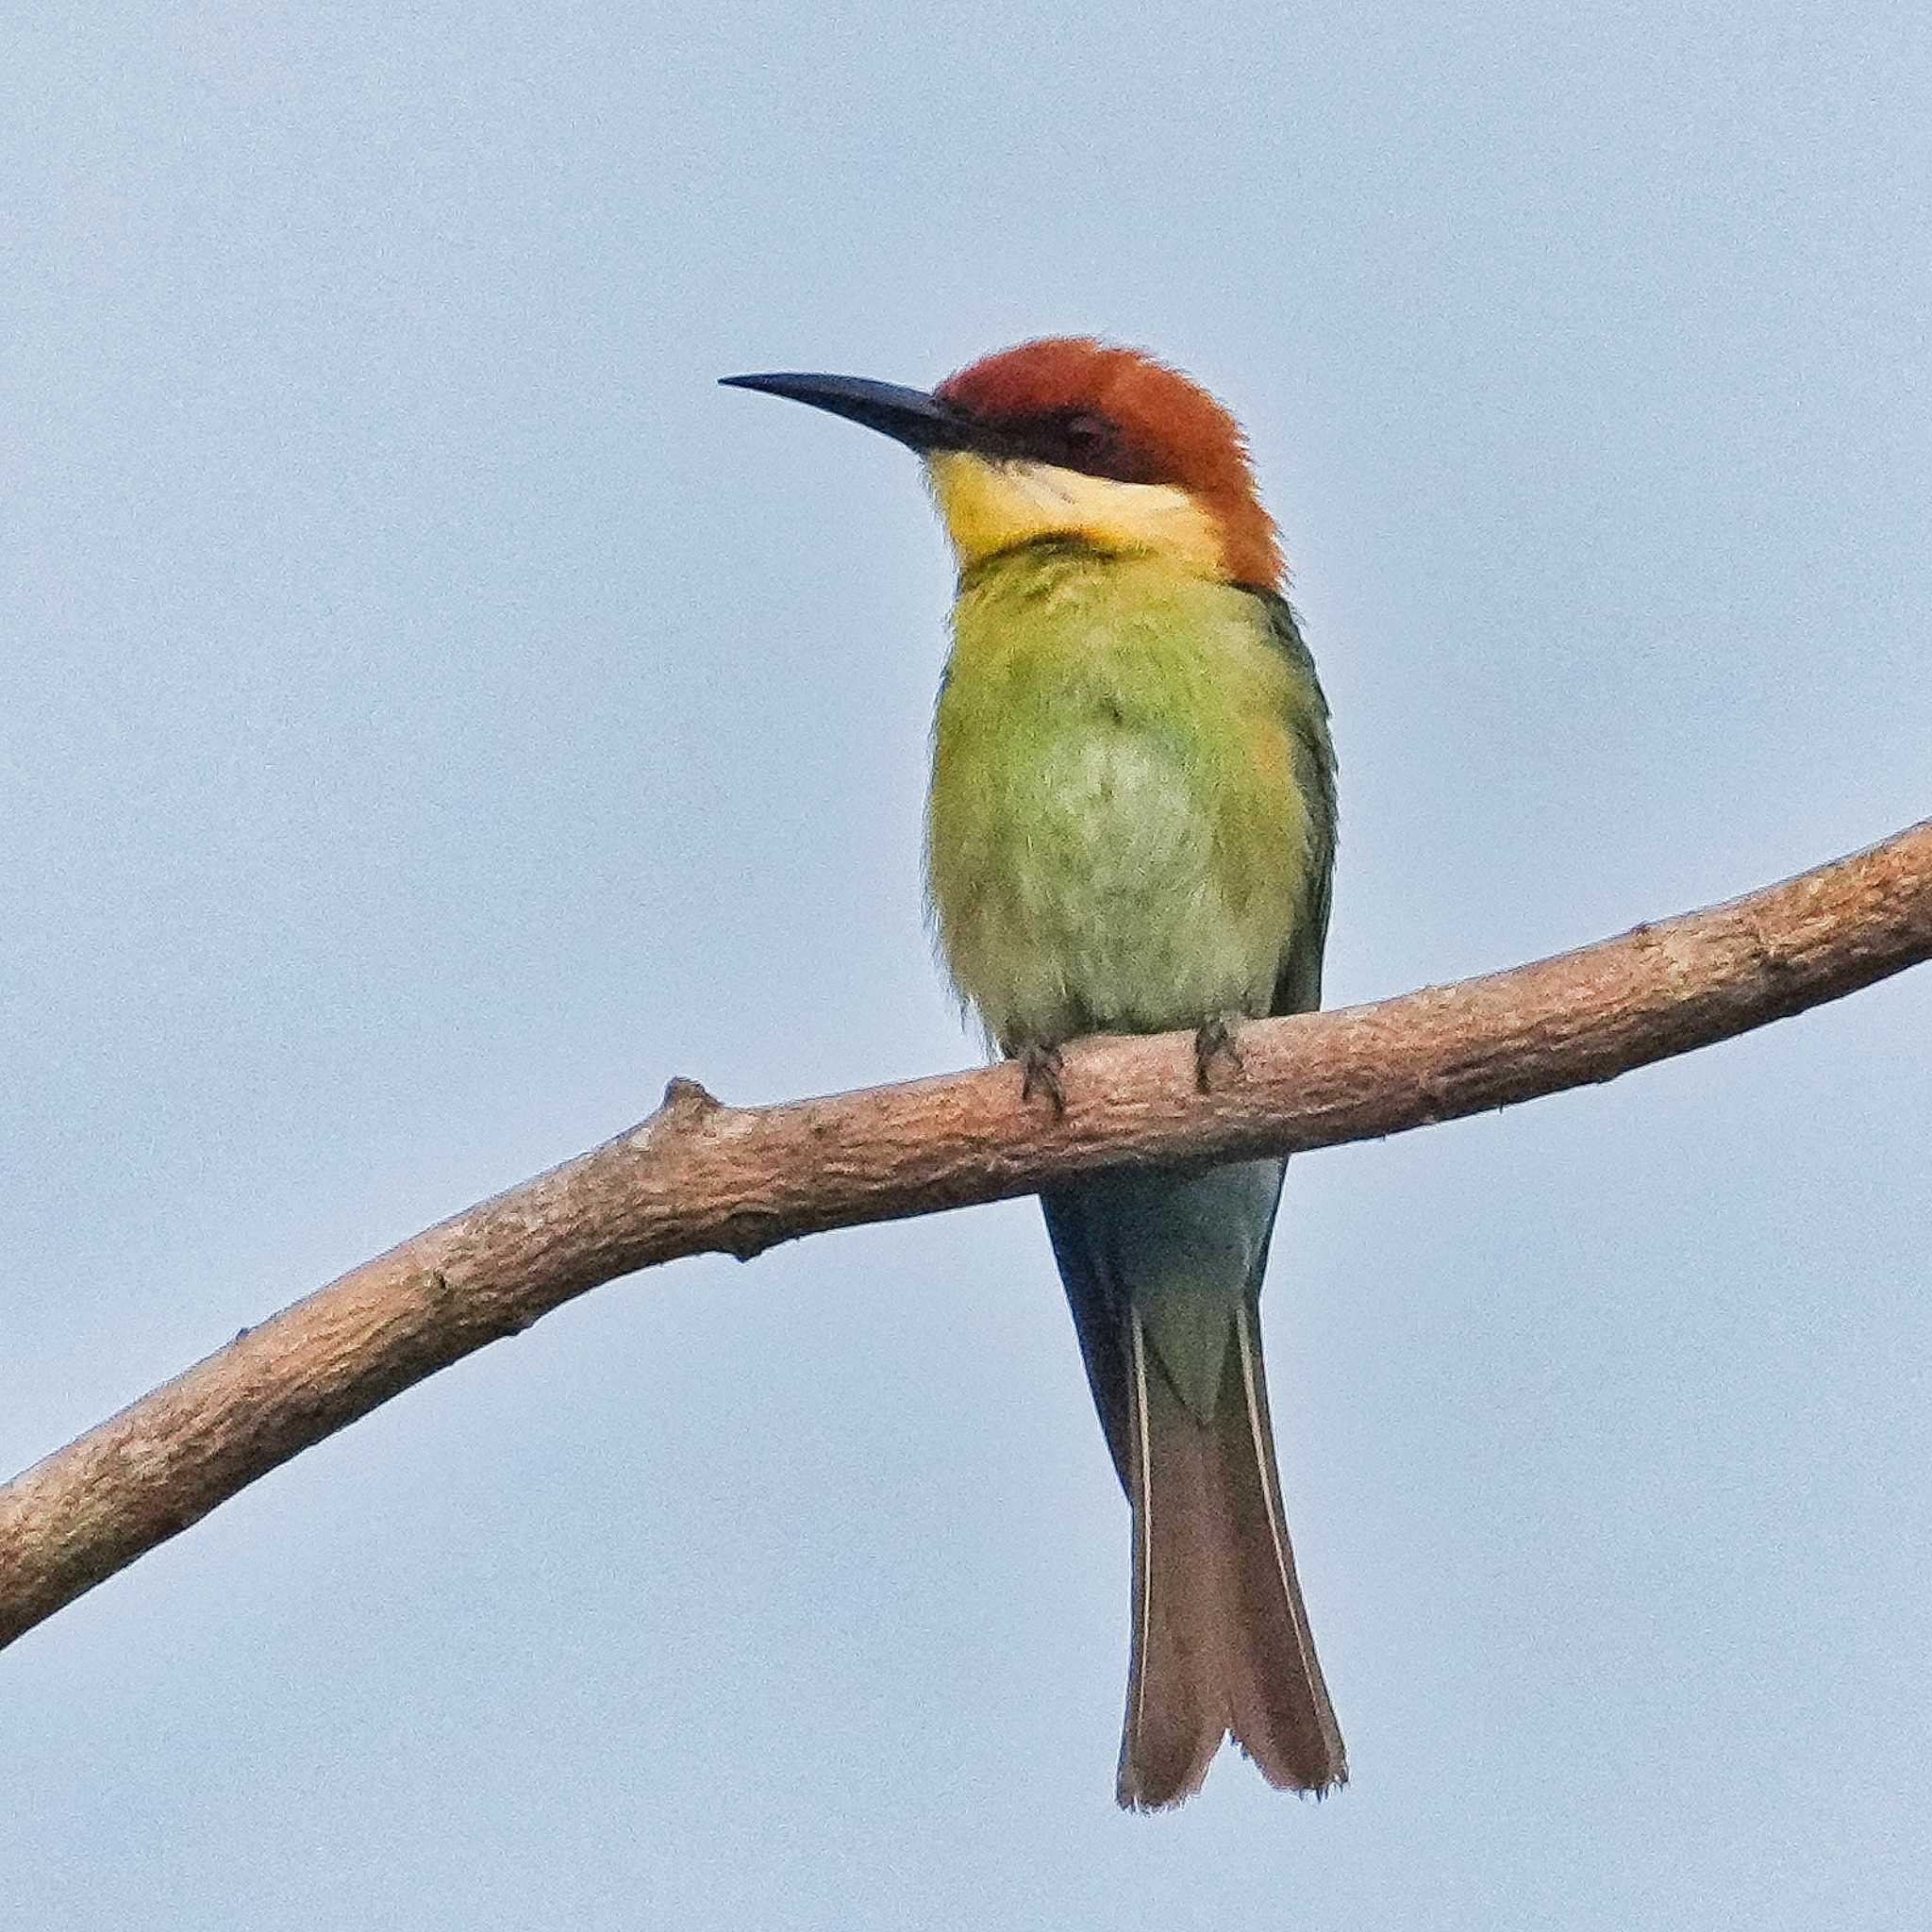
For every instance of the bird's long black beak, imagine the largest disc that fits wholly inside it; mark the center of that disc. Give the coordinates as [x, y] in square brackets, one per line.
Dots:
[911, 416]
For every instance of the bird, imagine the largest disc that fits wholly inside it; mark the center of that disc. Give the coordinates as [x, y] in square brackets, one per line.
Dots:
[1131, 828]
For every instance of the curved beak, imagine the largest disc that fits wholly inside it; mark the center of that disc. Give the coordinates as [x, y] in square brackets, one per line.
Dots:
[911, 416]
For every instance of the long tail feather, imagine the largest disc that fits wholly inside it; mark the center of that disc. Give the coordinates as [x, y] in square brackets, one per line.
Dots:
[1221, 1637]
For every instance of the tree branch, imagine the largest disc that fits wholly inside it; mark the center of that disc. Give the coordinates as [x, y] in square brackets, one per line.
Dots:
[699, 1178]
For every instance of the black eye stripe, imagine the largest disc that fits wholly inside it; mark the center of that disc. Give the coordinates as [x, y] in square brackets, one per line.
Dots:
[1079, 440]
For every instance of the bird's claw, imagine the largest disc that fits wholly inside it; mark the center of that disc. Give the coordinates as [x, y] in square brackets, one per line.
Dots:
[1214, 1040]
[1041, 1076]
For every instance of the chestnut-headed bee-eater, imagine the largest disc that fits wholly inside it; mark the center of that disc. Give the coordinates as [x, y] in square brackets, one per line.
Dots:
[1131, 828]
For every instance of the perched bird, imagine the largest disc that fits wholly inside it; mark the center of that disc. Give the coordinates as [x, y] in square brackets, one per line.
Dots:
[1131, 828]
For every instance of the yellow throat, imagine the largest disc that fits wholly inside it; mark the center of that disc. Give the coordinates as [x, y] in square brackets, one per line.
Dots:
[989, 506]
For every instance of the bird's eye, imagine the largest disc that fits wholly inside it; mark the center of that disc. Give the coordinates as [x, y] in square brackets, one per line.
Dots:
[1075, 440]
[1087, 434]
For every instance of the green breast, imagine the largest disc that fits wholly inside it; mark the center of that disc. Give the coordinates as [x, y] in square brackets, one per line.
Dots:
[1121, 834]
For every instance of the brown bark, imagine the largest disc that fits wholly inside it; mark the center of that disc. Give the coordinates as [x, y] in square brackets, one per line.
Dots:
[697, 1177]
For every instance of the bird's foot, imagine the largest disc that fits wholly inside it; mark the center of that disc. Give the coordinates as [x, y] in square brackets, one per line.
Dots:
[1040, 1077]
[1214, 1040]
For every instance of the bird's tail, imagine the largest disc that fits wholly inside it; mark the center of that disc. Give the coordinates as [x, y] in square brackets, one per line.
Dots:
[1221, 1638]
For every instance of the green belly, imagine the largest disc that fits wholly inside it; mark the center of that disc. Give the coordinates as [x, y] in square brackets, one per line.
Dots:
[1116, 841]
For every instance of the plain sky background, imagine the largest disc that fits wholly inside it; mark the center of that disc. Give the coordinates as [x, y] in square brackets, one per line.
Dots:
[432, 714]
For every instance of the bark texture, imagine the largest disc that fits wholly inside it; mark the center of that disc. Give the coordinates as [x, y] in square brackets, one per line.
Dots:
[698, 1177]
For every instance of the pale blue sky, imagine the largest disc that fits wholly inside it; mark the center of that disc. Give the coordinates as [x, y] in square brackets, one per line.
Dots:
[432, 714]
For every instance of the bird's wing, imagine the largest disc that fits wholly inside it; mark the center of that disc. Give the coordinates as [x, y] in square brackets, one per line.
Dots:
[1079, 1251]
[1298, 985]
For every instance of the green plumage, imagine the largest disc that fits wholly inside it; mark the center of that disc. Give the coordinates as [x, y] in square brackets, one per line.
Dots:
[1132, 829]
[1132, 818]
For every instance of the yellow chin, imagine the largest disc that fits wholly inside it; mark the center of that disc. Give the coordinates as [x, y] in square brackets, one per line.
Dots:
[989, 506]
